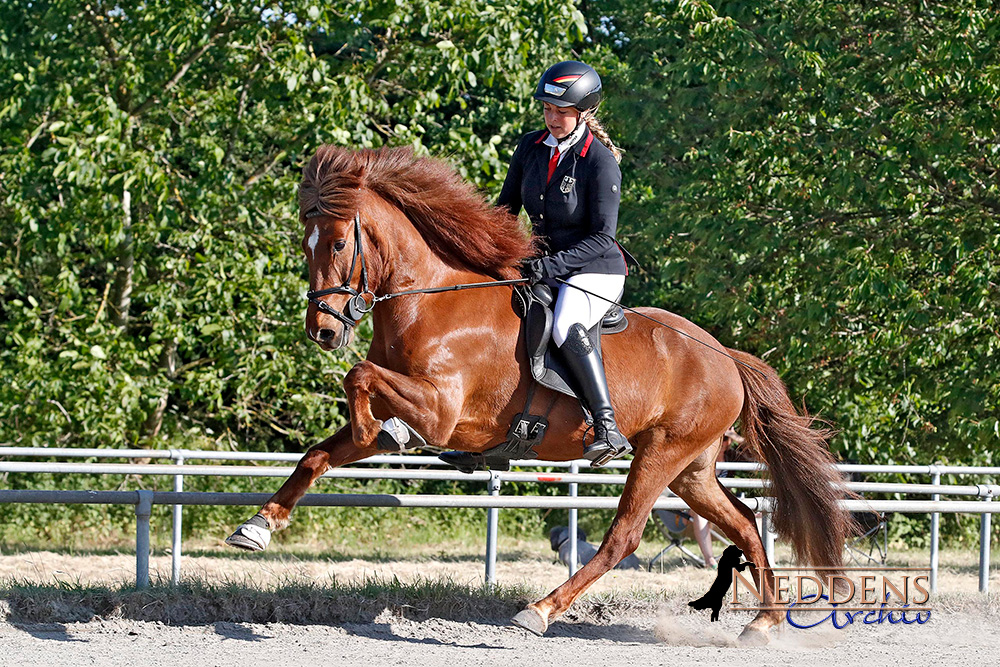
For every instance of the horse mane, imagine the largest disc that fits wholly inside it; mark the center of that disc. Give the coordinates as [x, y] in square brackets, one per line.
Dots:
[456, 222]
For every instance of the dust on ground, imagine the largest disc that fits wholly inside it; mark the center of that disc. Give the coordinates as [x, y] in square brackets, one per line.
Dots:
[659, 629]
[675, 640]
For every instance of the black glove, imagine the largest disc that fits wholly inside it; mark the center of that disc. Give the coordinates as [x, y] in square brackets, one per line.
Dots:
[533, 270]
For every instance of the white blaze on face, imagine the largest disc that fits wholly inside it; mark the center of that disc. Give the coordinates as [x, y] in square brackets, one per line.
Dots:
[313, 241]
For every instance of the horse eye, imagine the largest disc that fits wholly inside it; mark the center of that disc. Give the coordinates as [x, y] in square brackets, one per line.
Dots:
[339, 245]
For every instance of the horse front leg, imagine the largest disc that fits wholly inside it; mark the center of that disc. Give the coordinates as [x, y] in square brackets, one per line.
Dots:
[425, 406]
[426, 410]
[655, 465]
[337, 450]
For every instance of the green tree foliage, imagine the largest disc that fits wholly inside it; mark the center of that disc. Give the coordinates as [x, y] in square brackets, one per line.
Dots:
[814, 182]
[151, 276]
[817, 183]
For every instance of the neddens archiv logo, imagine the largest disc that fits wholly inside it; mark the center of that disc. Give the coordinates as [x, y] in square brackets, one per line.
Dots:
[844, 596]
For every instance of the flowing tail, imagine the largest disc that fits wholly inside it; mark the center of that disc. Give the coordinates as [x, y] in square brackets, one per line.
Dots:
[804, 481]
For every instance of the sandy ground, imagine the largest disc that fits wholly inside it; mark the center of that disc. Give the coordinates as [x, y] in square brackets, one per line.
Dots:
[968, 632]
[669, 640]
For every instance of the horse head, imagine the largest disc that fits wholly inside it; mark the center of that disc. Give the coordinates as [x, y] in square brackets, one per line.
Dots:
[378, 220]
[338, 278]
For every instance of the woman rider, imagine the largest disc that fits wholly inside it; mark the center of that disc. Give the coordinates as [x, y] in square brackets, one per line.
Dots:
[570, 187]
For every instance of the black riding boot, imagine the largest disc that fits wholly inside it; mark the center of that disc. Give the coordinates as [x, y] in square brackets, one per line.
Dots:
[587, 367]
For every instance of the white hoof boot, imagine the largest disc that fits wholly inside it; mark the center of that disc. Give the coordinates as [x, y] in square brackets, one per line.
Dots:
[398, 436]
[252, 535]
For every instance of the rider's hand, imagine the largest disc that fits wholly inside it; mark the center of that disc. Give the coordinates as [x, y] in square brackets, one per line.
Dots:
[533, 270]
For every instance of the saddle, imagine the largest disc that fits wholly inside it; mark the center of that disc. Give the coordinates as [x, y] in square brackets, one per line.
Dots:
[534, 306]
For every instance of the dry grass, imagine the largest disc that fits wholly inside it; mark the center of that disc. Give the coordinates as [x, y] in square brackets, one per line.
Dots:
[197, 602]
[299, 584]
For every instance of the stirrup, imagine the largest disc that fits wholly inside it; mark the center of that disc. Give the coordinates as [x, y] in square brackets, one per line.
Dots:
[600, 455]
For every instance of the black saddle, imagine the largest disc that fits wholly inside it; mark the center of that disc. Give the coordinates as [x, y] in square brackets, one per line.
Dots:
[534, 306]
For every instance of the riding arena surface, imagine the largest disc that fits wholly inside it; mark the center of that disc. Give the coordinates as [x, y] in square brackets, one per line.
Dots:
[645, 621]
[951, 640]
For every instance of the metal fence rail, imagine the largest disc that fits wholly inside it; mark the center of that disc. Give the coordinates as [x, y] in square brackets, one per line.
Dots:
[163, 469]
[417, 460]
[493, 479]
[145, 500]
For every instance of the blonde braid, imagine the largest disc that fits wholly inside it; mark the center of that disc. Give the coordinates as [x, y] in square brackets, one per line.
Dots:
[602, 135]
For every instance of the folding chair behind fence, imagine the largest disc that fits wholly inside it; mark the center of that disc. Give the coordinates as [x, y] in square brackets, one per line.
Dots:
[672, 524]
[872, 546]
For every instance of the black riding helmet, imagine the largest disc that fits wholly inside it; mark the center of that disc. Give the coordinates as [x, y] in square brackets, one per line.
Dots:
[570, 84]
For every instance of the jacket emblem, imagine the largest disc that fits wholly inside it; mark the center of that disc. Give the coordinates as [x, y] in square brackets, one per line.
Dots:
[567, 184]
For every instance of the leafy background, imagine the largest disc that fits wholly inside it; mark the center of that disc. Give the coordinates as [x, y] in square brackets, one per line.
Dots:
[813, 182]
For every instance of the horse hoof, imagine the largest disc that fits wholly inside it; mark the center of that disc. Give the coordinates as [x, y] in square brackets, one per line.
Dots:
[530, 620]
[753, 637]
[253, 535]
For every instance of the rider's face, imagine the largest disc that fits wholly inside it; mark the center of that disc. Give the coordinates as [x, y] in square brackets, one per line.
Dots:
[561, 121]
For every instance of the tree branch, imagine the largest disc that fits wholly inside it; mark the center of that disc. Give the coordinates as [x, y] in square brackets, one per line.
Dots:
[106, 42]
[240, 109]
[183, 69]
[263, 169]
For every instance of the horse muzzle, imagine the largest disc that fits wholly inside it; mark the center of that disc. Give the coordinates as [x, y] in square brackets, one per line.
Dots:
[333, 339]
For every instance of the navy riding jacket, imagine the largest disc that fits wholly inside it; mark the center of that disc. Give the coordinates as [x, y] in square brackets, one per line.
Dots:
[576, 213]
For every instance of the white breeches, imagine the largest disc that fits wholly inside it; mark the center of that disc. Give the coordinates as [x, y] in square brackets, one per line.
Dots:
[576, 307]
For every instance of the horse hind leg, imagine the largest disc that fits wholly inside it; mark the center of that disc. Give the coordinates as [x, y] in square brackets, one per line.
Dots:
[656, 463]
[703, 493]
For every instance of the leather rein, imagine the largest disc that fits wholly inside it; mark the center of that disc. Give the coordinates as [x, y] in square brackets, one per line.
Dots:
[357, 306]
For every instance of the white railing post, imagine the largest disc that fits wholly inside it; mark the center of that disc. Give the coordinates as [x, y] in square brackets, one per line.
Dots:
[175, 554]
[935, 530]
[143, 510]
[492, 526]
[984, 546]
[767, 535]
[574, 556]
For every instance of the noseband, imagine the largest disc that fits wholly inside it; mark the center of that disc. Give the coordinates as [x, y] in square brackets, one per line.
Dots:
[357, 306]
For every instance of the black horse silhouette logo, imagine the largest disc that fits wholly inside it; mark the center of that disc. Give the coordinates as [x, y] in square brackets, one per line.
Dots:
[717, 593]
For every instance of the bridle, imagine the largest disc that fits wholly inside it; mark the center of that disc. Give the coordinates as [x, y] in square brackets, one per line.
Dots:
[357, 306]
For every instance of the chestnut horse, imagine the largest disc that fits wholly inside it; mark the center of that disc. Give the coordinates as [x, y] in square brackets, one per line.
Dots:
[452, 366]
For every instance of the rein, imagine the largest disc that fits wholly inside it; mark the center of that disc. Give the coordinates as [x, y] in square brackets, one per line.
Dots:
[357, 306]
[663, 324]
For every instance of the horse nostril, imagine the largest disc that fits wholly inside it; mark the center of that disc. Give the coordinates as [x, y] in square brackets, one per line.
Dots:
[326, 334]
